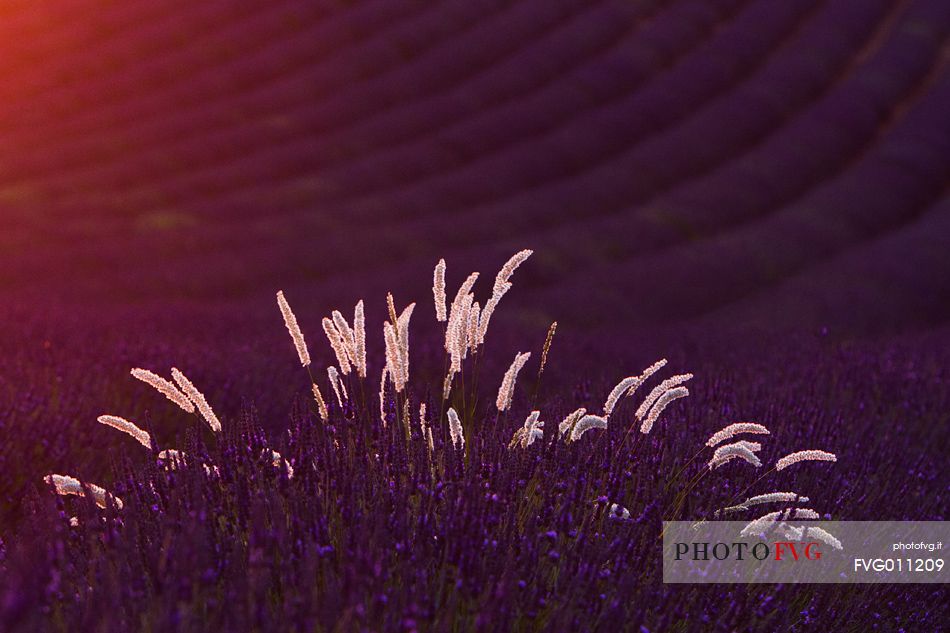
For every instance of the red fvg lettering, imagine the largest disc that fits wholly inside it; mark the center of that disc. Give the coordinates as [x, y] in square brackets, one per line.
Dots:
[810, 551]
[780, 547]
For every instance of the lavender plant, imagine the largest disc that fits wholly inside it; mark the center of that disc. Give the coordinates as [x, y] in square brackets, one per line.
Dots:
[358, 517]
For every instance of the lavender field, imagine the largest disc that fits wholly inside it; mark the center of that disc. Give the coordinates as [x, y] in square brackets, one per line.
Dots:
[754, 191]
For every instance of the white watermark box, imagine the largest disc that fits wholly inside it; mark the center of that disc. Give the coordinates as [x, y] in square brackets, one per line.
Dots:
[776, 551]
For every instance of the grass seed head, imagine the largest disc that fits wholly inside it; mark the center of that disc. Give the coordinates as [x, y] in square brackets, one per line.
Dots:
[295, 333]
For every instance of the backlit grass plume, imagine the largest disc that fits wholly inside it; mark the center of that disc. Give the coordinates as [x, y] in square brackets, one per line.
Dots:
[585, 424]
[548, 340]
[393, 357]
[531, 431]
[402, 333]
[506, 391]
[658, 391]
[661, 404]
[734, 429]
[438, 291]
[359, 327]
[742, 450]
[447, 385]
[295, 333]
[457, 328]
[337, 344]
[66, 485]
[501, 287]
[164, 387]
[338, 388]
[629, 385]
[321, 403]
[760, 526]
[770, 497]
[471, 334]
[455, 429]
[396, 338]
[504, 275]
[802, 456]
[485, 316]
[569, 421]
[198, 398]
[422, 418]
[349, 340]
[128, 428]
[647, 373]
[824, 536]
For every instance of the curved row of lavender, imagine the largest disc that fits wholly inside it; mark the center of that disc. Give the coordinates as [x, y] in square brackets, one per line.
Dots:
[640, 137]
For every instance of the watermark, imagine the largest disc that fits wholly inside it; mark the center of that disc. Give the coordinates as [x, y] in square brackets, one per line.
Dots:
[806, 552]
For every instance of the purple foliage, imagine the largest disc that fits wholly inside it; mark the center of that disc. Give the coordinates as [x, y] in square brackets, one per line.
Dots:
[372, 534]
